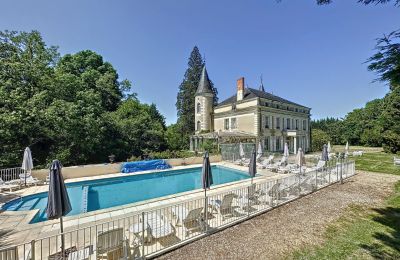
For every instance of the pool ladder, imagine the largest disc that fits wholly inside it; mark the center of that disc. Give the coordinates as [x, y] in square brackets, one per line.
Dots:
[85, 192]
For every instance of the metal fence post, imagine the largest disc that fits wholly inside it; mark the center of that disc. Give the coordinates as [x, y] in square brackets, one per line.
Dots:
[329, 176]
[248, 201]
[206, 212]
[143, 231]
[341, 171]
[299, 186]
[316, 179]
[32, 250]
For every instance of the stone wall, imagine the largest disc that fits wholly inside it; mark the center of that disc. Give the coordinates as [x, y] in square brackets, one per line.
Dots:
[102, 169]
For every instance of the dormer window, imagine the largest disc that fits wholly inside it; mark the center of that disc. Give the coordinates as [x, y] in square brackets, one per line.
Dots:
[234, 106]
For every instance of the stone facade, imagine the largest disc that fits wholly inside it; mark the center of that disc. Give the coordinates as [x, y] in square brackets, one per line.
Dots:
[272, 120]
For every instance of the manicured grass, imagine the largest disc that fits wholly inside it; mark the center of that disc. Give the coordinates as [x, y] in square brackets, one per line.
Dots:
[362, 234]
[377, 162]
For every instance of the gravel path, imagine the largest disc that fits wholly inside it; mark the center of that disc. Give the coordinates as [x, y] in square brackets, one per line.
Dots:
[275, 234]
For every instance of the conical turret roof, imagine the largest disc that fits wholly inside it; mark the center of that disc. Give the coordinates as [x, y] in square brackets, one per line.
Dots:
[204, 84]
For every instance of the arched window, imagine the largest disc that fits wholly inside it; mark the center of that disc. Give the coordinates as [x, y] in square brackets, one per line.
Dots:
[198, 108]
[198, 126]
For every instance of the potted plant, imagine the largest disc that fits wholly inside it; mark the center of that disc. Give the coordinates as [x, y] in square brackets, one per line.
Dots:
[111, 158]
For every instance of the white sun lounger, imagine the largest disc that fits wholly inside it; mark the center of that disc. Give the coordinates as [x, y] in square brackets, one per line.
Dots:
[157, 225]
[8, 186]
[396, 161]
[29, 180]
[320, 165]
[266, 162]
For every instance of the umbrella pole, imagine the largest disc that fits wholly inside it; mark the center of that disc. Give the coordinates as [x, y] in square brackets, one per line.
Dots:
[205, 209]
[62, 237]
[25, 177]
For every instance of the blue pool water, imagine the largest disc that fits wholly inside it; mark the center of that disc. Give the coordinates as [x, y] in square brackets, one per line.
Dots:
[111, 192]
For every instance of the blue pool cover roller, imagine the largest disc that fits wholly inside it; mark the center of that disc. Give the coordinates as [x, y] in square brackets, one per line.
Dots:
[144, 166]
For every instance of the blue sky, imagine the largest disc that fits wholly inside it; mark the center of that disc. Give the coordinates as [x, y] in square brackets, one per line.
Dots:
[313, 55]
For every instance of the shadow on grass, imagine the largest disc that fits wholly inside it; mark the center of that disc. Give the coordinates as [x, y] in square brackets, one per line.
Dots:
[387, 245]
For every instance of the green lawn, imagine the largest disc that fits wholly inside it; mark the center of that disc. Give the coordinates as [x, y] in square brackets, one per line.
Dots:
[362, 234]
[377, 162]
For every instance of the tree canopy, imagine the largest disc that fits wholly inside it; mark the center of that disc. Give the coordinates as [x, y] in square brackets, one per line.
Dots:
[71, 108]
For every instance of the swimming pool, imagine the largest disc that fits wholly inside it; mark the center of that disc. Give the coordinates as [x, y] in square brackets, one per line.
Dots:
[93, 195]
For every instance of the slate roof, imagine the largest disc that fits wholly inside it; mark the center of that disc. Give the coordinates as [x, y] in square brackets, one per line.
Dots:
[204, 83]
[250, 93]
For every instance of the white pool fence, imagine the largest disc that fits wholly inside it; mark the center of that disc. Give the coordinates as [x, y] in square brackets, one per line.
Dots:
[153, 232]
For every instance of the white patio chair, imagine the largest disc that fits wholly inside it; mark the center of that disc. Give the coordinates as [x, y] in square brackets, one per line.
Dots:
[224, 206]
[191, 220]
[112, 244]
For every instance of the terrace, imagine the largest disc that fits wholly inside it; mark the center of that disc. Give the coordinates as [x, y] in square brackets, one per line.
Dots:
[152, 227]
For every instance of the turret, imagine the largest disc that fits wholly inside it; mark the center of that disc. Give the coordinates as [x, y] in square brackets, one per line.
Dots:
[204, 101]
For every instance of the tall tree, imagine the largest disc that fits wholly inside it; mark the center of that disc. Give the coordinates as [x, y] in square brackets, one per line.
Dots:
[187, 89]
[386, 63]
[71, 108]
[26, 73]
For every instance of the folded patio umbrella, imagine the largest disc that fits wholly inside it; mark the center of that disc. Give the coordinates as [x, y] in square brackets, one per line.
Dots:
[27, 163]
[58, 204]
[286, 151]
[259, 151]
[253, 166]
[300, 158]
[207, 179]
[346, 149]
[329, 147]
[325, 155]
[241, 151]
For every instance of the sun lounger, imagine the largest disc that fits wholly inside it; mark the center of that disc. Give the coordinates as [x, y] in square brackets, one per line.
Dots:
[320, 165]
[266, 162]
[358, 153]
[112, 244]
[7, 186]
[157, 225]
[396, 161]
[191, 220]
[242, 162]
[29, 180]
[281, 163]
[224, 206]
[251, 197]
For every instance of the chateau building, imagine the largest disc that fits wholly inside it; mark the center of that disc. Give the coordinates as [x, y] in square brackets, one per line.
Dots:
[250, 114]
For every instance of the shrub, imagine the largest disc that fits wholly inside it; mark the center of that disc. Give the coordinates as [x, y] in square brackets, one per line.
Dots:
[319, 138]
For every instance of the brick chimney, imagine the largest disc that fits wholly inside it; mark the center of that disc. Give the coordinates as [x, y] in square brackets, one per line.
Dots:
[240, 89]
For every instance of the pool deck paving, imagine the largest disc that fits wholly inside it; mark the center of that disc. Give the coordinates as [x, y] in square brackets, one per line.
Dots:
[15, 227]
[293, 226]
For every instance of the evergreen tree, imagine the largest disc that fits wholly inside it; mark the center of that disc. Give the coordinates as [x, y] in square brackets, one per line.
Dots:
[185, 100]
